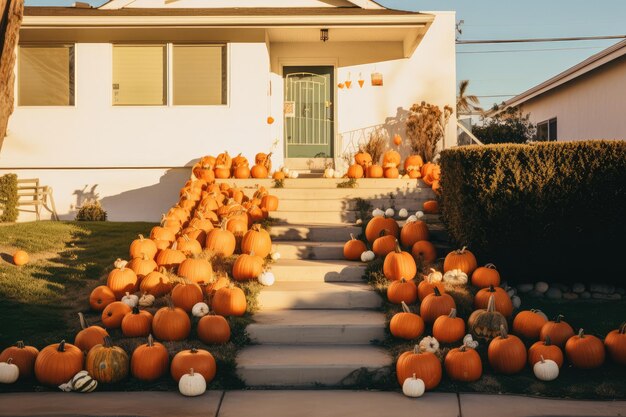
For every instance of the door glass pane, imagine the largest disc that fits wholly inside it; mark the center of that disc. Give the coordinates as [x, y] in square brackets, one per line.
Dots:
[46, 76]
[199, 75]
[139, 75]
[552, 129]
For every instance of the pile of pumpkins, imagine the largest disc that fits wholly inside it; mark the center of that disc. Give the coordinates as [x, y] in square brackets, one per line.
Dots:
[209, 168]
[551, 341]
[209, 220]
[414, 167]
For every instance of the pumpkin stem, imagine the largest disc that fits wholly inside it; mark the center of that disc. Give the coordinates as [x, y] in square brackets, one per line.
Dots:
[150, 340]
[397, 249]
[83, 322]
[9, 361]
[542, 359]
[490, 266]
[548, 341]
[463, 348]
[622, 328]
[352, 236]
[463, 249]
[191, 371]
[174, 246]
[136, 310]
[141, 237]
[491, 288]
[405, 307]
[452, 314]
[437, 292]
[414, 376]
[558, 318]
[108, 342]
[61, 347]
[503, 333]
[491, 305]
[20, 344]
[416, 349]
[581, 333]
[193, 350]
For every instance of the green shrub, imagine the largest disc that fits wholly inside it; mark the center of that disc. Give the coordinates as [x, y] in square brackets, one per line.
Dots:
[551, 211]
[91, 212]
[8, 198]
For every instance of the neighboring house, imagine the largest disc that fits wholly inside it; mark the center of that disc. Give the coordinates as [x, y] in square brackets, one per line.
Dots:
[125, 95]
[585, 102]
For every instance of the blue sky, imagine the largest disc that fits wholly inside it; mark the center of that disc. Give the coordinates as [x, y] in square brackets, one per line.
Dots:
[509, 73]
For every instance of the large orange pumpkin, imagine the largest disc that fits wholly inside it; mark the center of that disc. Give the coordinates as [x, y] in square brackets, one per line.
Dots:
[137, 323]
[259, 171]
[23, 357]
[558, 330]
[402, 291]
[399, 264]
[450, 328]
[355, 171]
[424, 252]
[424, 365]
[58, 363]
[385, 244]
[431, 207]
[463, 364]
[528, 324]
[142, 266]
[247, 267]
[256, 240]
[149, 361]
[374, 171]
[200, 360]
[213, 329]
[221, 241]
[121, 281]
[88, 336]
[229, 301]
[546, 350]
[156, 283]
[585, 351]
[406, 324]
[113, 314]
[485, 276]
[435, 305]
[170, 257]
[142, 246]
[186, 295]
[506, 353]
[196, 270]
[615, 343]
[363, 159]
[413, 232]
[171, 324]
[503, 302]
[379, 223]
[461, 259]
[353, 249]
[100, 297]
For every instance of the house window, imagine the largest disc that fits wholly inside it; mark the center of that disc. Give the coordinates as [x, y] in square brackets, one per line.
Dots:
[139, 75]
[199, 74]
[46, 75]
[546, 131]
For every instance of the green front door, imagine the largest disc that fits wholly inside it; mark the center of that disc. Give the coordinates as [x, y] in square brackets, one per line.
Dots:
[309, 127]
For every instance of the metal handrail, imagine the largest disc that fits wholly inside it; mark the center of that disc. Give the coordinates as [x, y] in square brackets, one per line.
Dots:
[469, 133]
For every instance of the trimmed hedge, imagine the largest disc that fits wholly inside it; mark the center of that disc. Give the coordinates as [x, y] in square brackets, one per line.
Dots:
[544, 211]
[8, 198]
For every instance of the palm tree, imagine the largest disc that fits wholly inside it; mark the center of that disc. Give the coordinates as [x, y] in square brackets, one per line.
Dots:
[466, 103]
[11, 13]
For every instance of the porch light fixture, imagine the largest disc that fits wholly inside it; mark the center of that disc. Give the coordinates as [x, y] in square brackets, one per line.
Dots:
[323, 35]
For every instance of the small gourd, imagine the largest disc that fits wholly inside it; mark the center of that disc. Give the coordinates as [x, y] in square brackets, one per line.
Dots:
[469, 341]
[429, 344]
[130, 300]
[200, 309]
[411, 218]
[81, 382]
[419, 214]
[329, 173]
[368, 256]
[192, 384]
[378, 213]
[293, 174]
[435, 276]
[546, 369]
[455, 277]
[390, 212]
[120, 263]
[267, 278]
[275, 256]
[413, 387]
[403, 213]
[146, 300]
[9, 372]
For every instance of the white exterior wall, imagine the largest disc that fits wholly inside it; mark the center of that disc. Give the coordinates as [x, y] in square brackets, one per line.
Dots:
[93, 133]
[588, 107]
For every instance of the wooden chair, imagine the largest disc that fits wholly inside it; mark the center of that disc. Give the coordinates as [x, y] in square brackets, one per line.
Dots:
[31, 194]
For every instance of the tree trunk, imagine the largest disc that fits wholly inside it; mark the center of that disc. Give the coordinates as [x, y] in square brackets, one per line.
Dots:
[10, 20]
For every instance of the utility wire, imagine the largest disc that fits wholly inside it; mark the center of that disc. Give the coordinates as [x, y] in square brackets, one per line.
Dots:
[533, 40]
[503, 51]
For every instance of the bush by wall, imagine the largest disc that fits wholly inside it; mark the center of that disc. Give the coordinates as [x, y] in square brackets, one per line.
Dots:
[8, 198]
[91, 212]
[549, 211]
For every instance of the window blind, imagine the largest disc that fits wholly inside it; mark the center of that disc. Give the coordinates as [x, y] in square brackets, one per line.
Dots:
[199, 74]
[46, 76]
[139, 75]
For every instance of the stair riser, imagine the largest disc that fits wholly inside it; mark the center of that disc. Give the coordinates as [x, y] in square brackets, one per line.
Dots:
[318, 274]
[301, 377]
[292, 251]
[296, 300]
[382, 193]
[314, 217]
[338, 204]
[327, 234]
[315, 335]
[331, 183]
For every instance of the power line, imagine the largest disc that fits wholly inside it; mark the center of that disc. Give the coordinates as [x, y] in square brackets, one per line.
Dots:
[534, 40]
[498, 95]
[528, 50]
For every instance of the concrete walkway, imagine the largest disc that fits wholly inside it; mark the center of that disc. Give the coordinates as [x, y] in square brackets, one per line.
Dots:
[297, 403]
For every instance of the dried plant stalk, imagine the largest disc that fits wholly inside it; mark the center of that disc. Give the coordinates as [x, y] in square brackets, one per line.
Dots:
[425, 127]
[376, 145]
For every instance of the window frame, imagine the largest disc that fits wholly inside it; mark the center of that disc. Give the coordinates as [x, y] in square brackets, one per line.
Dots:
[225, 73]
[72, 74]
[547, 123]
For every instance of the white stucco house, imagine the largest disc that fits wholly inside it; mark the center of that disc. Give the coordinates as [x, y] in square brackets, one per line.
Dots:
[126, 96]
[584, 102]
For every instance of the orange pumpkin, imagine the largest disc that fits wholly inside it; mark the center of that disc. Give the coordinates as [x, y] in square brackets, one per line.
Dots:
[585, 351]
[413, 163]
[503, 302]
[435, 305]
[213, 329]
[170, 257]
[156, 283]
[427, 287]
[188, 246]
[374, 171]
[391, 159]
[23, 357]
[485, 276]
[379, 223]
[397, 139]
[463, 364]
[355, 171]
[221, 241]
[506, 353]
[424, 252]
[256, 240]
[171, 324]
[200, 360]
[528, 324]
[363, 159]
[247, 267]
[223, 160]
[413, 232]
[450, 328]
[186, 295]
[461, 259]
[353, 249]
[20, 258]
[58, 363]
[259, 171]
[385, 244]
[546, 350]
[392, 173]
[431, 207]
[88, 336]
[615, 343]
[399, 264]
[137, 323]
[149, 361]
[141, 246]
[113, 314]
[229, 301]
[424, 365]
[402, 291]
[558, 330]
[269, 202]
[406, 324]
[142, 266]
[278, 175]
[196, 270]
[101, 297]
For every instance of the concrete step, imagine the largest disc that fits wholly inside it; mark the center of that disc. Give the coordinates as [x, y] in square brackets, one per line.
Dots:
[338, 204]
[338, 270]
[319, 232]
[305, 366]
[307, 183]
[315, 217]
[310, 250]
[332, 327]
[300, 295]
[352, 193]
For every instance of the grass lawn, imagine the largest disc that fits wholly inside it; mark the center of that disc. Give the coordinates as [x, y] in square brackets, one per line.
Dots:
[595, 316]
[39, 302]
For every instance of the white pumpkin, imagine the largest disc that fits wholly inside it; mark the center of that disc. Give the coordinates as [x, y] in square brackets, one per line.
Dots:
[285, 171]
[130, 300]
[293, 174]
[546, 370]
[200, 309]
[434, 276]
[368, 256]
[338, 174]
[120, 263]
[429, 344]
[411, 218]
[403, 213]
[469, 341]
[399, 176]
[413, 387]
[146, 300]
[390, 212]
[517, 302]
[329, 173]
[419, 214]
[358, 221]
[377, 213]
[275, 256]
[541, 286]
[455, 277]
[9, 372]
[81, 382]
[267, 278]
[192, 384]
